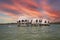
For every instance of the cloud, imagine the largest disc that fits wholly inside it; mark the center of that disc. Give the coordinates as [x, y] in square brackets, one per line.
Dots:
[32, 8]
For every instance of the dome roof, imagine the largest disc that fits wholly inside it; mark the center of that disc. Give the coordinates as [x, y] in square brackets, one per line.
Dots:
[23, 18]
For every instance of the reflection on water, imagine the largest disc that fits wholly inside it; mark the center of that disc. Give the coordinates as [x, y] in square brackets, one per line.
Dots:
[12, 32]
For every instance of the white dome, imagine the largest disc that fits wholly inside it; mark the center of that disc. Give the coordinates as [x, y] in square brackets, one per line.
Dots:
[23, 18]
[43, 21]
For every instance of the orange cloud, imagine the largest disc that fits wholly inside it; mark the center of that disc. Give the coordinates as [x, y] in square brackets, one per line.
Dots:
[29, 8]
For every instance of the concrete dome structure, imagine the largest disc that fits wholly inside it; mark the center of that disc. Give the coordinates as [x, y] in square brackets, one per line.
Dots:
[45, 21]
[23, 18]
[32, 20]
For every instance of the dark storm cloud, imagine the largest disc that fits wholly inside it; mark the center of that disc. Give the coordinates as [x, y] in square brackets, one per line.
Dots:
[55, 8]
[6, 1]
[55, 4]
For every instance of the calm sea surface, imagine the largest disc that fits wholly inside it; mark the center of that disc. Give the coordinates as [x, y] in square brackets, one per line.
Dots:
[12, 32]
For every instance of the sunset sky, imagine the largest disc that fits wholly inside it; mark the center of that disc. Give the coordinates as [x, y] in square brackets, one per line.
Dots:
[11, 10]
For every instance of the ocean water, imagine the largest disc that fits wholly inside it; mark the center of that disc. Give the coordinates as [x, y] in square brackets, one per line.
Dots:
[12, 32]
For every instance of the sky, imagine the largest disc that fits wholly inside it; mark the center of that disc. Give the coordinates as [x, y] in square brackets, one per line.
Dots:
[11, 10]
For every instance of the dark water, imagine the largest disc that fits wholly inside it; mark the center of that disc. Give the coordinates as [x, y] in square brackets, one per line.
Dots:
[12, 32]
